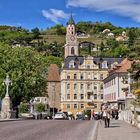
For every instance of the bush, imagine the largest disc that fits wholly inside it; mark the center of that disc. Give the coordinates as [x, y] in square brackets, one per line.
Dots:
[40, 107]
[23, 108]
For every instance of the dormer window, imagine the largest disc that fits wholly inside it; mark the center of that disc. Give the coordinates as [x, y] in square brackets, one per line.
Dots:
[104, 65]
[71, 64]
[114, 65]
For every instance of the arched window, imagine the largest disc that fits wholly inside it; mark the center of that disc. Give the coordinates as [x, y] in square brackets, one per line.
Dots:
[72, 50]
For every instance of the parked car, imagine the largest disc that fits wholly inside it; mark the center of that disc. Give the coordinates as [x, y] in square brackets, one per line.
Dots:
[80, 117]
[97, 115]
[60, 116]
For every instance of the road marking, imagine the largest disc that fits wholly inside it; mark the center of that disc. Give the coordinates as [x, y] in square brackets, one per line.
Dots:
[93, 132]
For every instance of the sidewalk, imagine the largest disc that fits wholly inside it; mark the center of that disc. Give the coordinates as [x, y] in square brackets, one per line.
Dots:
[6, 120]
[118, 130]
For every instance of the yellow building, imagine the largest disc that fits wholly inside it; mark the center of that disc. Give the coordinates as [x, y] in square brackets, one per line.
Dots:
[81, 77]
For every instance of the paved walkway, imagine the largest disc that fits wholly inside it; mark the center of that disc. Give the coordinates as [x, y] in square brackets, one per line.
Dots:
[6, 120]
[118, 130]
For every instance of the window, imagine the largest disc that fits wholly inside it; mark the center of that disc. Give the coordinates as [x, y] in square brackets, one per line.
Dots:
[88, 96]
[101, 76]
[95, 87]
[75, 96]
[101, 86]
[68, 86]
[75, 86]
[82, 96]
[95, 105]
[88, 86]
[95, 96]
[114, 81]
[88, 66]
[81, 76]
[102, 96]
[82, 105]
[68, 96]
[68, 76]
[95, 76]
[37, 99]
[68, 105]
[104, 65]
[75, 76]
[71, 64]
[81, 86]
[72, 50]
[75, 105]
[89, 75]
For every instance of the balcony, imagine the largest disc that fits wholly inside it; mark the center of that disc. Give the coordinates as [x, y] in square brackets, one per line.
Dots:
[89, 91]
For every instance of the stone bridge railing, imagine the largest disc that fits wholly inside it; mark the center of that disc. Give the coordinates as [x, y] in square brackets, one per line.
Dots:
[131, 116]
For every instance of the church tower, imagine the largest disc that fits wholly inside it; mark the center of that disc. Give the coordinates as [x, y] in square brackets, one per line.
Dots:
[71, 46]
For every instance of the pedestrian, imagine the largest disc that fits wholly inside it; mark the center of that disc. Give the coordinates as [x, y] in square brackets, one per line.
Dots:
[113, 114]
[93, 115]
[106, 116]
[116, 115]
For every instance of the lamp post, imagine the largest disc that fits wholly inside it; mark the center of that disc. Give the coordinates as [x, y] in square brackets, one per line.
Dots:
[7, 82]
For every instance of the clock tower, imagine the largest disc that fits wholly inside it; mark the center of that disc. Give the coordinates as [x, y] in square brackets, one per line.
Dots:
[71, 46]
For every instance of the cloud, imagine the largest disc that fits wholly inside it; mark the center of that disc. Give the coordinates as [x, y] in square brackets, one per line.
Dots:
[54, 15]
[127, 8]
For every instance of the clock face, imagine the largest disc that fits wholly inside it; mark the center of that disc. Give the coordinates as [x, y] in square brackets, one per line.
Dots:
[72, 38]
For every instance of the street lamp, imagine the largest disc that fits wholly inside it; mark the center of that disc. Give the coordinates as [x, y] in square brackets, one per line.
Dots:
[7, 82]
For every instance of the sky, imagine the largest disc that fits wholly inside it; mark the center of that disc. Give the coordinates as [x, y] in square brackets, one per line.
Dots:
[46, 13]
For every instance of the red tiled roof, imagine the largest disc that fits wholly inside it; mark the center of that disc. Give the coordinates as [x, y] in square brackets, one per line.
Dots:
[53, 73]
[124, 66]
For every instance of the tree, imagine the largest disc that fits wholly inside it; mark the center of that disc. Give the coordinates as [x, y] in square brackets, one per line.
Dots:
[36, 33]
[132, 36]
[27, 70]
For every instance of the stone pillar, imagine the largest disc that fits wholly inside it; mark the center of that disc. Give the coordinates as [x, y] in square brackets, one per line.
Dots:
[5, 109]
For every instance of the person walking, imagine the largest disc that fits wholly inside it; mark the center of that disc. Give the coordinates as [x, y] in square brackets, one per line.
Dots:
[106, 116]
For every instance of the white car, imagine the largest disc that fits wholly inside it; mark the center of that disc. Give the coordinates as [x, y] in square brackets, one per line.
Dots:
[60, 115]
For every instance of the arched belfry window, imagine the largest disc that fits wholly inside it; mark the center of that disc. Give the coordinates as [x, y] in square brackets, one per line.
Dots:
[72, 50]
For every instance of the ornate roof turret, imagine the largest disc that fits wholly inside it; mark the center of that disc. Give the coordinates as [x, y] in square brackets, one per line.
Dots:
[71, 20]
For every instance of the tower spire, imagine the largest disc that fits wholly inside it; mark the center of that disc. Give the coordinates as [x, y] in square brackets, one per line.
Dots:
[71, 20]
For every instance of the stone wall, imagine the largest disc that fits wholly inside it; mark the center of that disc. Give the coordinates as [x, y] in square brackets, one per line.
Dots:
[54, 90]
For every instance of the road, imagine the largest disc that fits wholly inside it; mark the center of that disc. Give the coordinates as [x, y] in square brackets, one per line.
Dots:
[48, 130]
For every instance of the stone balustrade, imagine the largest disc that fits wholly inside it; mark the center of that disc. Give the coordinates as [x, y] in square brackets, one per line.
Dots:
[131, 116]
